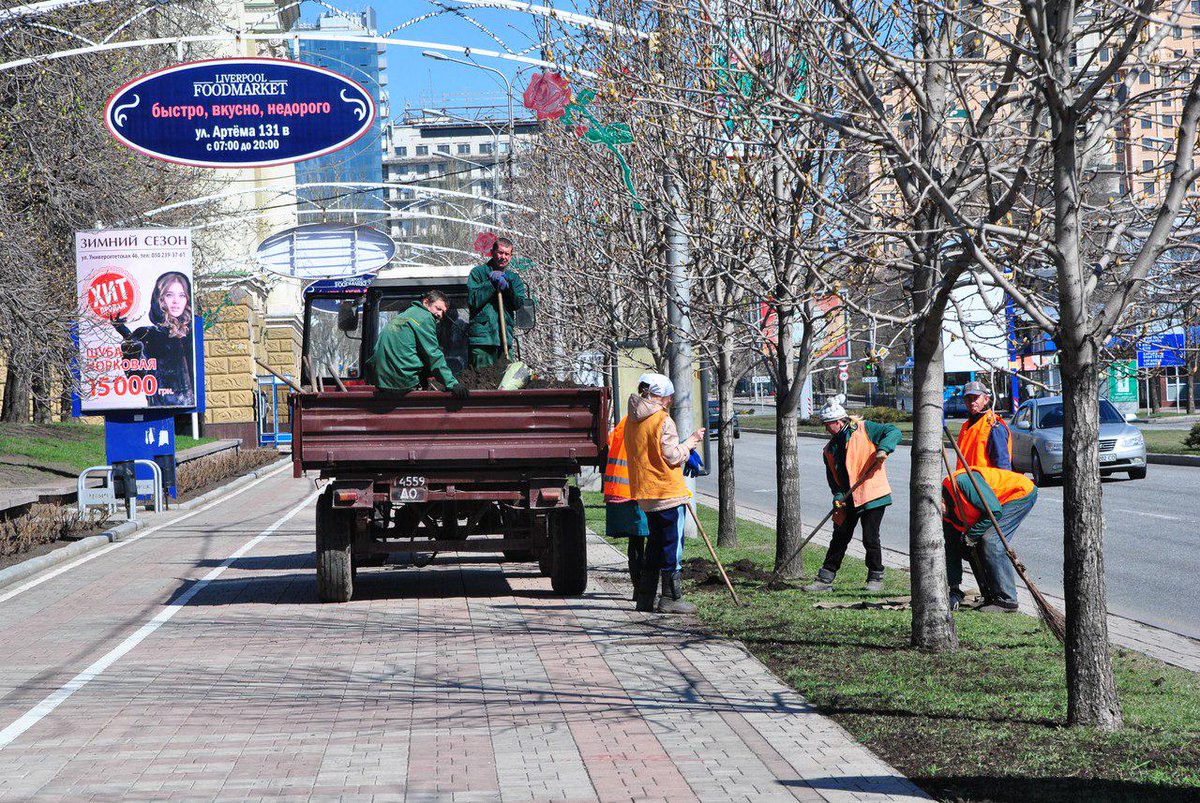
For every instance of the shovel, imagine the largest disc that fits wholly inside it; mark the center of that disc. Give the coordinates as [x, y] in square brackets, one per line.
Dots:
[517, 373]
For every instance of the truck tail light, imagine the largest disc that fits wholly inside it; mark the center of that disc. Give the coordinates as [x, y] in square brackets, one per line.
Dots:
[345, 496]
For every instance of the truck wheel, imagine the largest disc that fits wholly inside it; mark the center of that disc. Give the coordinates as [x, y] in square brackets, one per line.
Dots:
[335, 563]
[568, 570]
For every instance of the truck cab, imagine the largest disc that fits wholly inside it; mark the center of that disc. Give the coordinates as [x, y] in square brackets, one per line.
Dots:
[421, 472]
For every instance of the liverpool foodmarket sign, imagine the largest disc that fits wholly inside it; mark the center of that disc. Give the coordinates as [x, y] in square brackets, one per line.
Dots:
[239, 113]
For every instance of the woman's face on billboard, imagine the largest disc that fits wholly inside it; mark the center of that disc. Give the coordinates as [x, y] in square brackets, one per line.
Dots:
[174, 299]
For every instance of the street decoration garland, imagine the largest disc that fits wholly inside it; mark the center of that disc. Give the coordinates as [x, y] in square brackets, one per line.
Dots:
[549, 96]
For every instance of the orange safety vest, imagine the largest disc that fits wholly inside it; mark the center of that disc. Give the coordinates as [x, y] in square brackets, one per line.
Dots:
[650, 476]
[616, 470]
[1006, 485]
[973, 439]
[860, 453]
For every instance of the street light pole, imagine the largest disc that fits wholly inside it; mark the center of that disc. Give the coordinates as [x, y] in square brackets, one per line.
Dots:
[439, 56]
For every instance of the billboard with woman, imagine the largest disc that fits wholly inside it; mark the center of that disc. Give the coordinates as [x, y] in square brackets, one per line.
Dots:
[136, 307]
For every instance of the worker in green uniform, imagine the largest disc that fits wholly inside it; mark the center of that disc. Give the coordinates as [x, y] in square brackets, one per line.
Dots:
[486, 284]
[407, 352]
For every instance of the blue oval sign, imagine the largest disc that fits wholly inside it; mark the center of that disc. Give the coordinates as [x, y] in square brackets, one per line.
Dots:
[239, 113]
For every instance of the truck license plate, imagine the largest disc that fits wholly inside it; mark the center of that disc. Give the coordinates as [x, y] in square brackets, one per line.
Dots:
[410, 489]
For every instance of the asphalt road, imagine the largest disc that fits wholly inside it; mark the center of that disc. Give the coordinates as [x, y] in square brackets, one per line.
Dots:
[1152, 541]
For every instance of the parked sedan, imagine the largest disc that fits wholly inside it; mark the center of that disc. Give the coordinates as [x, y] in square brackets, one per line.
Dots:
[1038, 441]
[714, 420]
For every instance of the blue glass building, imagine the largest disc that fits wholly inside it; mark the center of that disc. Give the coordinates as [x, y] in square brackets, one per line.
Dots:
[362, 161]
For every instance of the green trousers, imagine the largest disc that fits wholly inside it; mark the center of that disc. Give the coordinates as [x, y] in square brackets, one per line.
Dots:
[483, 356]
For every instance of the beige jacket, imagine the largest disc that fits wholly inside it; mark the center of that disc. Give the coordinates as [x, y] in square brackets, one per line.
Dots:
[674, 452]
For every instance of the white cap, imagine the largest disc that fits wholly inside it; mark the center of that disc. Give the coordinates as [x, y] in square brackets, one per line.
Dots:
[657, 384]
[833, 410]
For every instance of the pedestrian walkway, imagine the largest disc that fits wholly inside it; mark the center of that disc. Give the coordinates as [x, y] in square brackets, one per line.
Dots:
[1171, 648]
[168, 670]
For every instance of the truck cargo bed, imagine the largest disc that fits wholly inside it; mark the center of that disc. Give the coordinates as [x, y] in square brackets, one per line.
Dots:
[362, 428]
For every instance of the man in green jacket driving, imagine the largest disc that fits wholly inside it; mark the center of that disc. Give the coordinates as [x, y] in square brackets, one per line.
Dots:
[485, 285]
[408, 353]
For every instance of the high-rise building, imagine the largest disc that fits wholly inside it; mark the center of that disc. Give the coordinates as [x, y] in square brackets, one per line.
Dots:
[463, 149]
[362, 161]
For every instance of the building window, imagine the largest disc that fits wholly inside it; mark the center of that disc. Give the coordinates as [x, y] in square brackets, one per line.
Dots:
[1196, 6]
[1104, 54]
[422, 170]
[402, 150]
[422, 150]
[464, 148]
[485, 148]
[1148, 187]
[444, 149]
[1147, 165]
[504, 147]
[1195, 30]
[1168, 119]
[1144, 77]
[1145, 122]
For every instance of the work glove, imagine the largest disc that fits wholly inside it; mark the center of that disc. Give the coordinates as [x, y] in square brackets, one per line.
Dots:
[880, 456]
[499, 280]
[839, 514]
[460, 391]
[693, 465]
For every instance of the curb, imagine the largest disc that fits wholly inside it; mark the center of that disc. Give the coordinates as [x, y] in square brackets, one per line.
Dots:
[28, 568]
[1153, 459]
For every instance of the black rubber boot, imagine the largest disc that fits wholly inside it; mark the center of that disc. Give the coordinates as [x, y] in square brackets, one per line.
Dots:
[644, 591]
[875, 581]
[671, 600]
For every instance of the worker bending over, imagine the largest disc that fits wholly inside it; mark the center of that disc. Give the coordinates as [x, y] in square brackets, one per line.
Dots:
[1009, 496]
[854, 458]
[622, 516]
[487, 284]
[408, 354]
[656, 458]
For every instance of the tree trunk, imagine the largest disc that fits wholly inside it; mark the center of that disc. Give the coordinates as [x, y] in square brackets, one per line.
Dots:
[789, 563]
[1190, 388]
[43, 412]
[932, 624]
[15, 408]
[726, 479]
[1091, 689]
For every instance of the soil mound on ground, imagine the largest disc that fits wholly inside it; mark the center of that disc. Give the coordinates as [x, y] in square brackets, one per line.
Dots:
[705, 573]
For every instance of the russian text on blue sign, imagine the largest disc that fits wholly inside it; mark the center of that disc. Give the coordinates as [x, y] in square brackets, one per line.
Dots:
[247, 112]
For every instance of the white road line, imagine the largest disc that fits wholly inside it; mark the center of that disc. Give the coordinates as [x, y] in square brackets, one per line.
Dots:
[66, 567]
[1144, 513]
[54, 700]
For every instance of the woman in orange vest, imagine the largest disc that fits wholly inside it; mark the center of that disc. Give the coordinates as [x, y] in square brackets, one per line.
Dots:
[856, 450]
[622, 517]
[984, 438]
[1010, 497]
[656, 457]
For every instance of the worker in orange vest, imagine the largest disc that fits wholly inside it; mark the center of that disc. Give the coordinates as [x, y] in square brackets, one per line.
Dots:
[622, 516]
[984, 438]
[855, 451]
[656, 459]
[1009, 496]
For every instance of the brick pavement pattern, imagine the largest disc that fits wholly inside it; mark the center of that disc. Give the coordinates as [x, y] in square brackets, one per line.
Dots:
[456, 682]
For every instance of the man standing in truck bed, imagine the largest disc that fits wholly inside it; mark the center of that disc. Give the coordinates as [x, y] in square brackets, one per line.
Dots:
[408, 353]
[487, 284]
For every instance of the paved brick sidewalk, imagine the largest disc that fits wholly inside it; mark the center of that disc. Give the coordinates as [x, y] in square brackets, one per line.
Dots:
[455, 682]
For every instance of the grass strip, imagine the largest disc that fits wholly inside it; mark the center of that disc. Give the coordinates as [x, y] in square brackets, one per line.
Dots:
[68, 445]
[986, 723]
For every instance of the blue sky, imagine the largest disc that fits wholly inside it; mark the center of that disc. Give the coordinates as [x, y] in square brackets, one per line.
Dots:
[420, 80]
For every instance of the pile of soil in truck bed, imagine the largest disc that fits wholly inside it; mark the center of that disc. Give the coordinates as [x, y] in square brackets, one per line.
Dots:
[489, 378]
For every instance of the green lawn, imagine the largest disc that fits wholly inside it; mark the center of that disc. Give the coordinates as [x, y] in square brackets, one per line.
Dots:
[983, 724]
[67, 446]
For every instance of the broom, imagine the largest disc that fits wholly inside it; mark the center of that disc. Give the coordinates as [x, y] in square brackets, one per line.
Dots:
[1052, 616]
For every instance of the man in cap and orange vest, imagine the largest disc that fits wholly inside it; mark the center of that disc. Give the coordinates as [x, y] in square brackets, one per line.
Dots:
[656, 459]
[622, 516]
[1009, 496]
[984, 438]
[856, 451]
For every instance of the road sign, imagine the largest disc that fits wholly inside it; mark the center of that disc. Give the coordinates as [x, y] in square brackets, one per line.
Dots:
[246, 112]
[871, 380]
[1122, 382]
[842, 375]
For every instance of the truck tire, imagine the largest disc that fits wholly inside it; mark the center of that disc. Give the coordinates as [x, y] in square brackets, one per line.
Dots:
[335, 562]
[568, 569]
